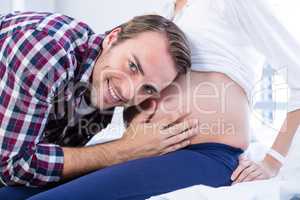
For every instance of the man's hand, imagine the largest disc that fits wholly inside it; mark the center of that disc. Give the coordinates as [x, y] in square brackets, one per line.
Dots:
[249, 170]
[141, 139]
[144, 139]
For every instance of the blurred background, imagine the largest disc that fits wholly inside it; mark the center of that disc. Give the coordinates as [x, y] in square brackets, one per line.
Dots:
[101, 15]
[270, 103]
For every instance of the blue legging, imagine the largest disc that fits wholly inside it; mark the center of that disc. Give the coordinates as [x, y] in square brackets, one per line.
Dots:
[208, 163]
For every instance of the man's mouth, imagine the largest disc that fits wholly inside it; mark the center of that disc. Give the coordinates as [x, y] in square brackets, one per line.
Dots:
[114, 95]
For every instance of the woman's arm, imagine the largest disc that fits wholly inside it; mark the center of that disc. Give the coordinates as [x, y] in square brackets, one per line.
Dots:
[179, 5]
[281, 50]
[287, 132]
[269, 167]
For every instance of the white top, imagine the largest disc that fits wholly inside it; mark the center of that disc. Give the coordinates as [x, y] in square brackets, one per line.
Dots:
[237, 38]
[113, 131]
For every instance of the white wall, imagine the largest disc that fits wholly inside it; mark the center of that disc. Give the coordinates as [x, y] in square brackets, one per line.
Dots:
[38, 5]
[27, 5]
[5, 6]
[288, 13]
[103, 15]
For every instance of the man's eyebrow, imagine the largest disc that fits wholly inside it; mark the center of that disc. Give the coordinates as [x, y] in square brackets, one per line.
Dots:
[138, 64]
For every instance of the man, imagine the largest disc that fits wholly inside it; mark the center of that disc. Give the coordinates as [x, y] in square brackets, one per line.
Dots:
[58, 78]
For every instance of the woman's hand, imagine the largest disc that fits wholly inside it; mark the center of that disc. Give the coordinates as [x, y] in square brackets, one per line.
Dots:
[249, 170]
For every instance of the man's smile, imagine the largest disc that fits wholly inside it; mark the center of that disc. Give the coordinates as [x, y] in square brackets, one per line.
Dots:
[114, 95]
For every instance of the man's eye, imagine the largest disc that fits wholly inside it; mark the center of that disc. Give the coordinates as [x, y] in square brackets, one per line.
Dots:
[149, 90]
[133, 67]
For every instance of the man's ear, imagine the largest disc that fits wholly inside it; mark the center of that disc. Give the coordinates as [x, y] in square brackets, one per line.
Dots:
[111, 38]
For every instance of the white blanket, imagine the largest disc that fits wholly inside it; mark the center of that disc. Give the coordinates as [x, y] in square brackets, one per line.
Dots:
[272, 189]
[262, 190]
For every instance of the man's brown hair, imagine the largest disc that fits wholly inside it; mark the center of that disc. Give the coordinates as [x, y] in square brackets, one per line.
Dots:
[178, 44]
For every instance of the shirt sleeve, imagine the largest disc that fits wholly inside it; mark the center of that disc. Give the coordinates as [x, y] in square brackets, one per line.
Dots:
[32, 65]
[271, 38]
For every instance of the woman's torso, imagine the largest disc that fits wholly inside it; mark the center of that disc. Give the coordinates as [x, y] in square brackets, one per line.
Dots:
[225, 68]
[218, 103]
[218, 40]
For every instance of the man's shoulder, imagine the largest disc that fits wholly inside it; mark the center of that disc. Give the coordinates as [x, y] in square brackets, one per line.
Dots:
[65, 29]
[41, 48]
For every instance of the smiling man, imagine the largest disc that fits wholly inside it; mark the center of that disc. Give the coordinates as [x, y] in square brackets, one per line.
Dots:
[59, 80]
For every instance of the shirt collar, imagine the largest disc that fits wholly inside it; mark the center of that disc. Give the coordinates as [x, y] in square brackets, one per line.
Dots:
[83, 77]
[93, 51]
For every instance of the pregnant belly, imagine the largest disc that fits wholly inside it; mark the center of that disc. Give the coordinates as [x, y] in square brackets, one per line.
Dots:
[217, 102]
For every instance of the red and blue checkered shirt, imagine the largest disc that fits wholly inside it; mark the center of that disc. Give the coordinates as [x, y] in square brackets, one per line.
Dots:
[39, 52]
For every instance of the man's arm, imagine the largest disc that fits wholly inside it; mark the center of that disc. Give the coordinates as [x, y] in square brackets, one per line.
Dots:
[140, 140]
[25, 159]
[79, 161]
[31, 63]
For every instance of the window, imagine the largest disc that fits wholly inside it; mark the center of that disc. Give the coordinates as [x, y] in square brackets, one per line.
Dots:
[270, 103]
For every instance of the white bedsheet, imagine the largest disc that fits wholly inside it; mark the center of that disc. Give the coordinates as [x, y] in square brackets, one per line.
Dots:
[272, 189]
[246, 191]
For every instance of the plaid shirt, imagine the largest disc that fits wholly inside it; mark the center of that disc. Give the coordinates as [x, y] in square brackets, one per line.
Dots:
[39, 53]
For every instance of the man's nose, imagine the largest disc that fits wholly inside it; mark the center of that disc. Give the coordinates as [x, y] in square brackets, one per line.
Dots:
[130, 89]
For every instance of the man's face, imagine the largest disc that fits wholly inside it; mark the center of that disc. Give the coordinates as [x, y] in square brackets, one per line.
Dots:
[132, 71]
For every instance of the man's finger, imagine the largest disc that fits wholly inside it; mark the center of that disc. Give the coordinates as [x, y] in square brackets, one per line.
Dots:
[180, 128]
[177, 146]
[171, 119]
[187, 135]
